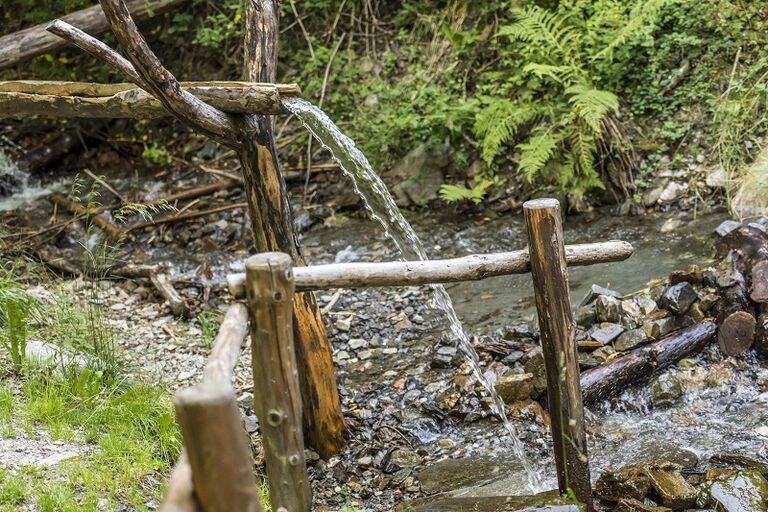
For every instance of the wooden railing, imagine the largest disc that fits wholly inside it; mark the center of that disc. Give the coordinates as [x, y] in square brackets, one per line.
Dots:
[214, 472]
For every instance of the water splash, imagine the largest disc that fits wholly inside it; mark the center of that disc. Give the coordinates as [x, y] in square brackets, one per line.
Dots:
[15, 188]
[381, 206]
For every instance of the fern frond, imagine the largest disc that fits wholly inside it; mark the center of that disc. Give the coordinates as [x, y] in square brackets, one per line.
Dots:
[551, 30]
[499, 122]
[592, 105]
[535, 153]
[453, 193]
[641, 15]
[580, 159]
[558, 73]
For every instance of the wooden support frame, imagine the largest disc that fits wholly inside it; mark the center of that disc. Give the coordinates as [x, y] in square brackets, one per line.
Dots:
[276, 395]
[416, 273]
[558, 335]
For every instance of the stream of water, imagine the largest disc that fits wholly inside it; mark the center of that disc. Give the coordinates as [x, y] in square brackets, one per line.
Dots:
[381, 206]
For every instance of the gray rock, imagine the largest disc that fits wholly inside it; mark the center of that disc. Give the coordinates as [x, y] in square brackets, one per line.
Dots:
[630, 339]
[533, 362]
[666, 390]
[585, 316]
[595, 291]
[402, 458]
[746, 491]
[658, 328]
[416, 180]
[607, 309]
[672, 192]
[514, 387]
[357, 343]
[678, 298]
[726, 227]
[607, 333]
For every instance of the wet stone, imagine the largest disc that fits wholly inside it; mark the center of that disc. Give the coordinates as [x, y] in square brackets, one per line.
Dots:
[596, 291]
[514, 387]
[746, 491]
[726, 227]
[585, 316]
[674, 490]
[630, 339]
[658, 328]
[402, 458]
[607, 333]
[691, 274]
[533, 362]
[631, 505]
[678, 298]
[627, 482]
[666, 390]
[607, 309]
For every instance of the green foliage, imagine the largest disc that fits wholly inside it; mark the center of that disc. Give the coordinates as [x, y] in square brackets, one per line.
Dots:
[453, 193]
[157, 155]
[15, 306]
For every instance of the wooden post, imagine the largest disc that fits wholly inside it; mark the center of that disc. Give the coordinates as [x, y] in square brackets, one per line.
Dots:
[276, 396]
[550, 280]
[217, 449]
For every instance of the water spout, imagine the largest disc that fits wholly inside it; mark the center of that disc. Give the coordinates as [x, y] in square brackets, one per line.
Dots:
[381, 206]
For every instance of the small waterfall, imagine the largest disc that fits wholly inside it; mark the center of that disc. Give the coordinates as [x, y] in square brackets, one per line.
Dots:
[12, 179]
[381, 206]
[16, 188]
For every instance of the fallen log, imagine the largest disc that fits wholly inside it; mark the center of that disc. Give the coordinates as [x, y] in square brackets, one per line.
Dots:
[33, 41]
[617, 374]
[72, 99]
[734, 311]
[415, 273]
[78, 209]
[736, 333]
[176, 302]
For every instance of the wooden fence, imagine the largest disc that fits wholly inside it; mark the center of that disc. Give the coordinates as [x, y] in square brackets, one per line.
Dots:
[214, 472]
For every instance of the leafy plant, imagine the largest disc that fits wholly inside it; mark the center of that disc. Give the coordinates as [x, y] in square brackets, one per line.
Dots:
[15, 306]
[453, 193]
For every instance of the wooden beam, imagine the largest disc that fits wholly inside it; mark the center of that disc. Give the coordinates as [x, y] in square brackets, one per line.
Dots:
[33, 41]
[276, 396]
[416, 273]
[558, 334]
[86, 100]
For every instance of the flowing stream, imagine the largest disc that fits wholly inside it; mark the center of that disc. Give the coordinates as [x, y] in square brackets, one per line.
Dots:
[381, 206]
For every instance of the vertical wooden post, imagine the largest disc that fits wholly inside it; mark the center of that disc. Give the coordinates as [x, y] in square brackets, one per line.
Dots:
[276, 396]
[550, 281]
[216, 446]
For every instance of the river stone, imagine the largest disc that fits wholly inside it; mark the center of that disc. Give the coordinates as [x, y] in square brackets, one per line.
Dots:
[607, 333]
[672, 192]
[678, 298]
[450, 474]
[596, 291]
[691, 274]
[746, 491]
[659, 328]
[533, 362]
[585, 316]
[401, 458]
[696, 313]
[726, 227]
[607, 309]
[464, 500]
[647, 304]
[674, 490]
[666, 390]
[630, 339]
[630, 505]
[514, 387]
[740, 461]
[626, 482]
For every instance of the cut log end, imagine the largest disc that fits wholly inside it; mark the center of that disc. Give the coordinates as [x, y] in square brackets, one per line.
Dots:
[737, 333]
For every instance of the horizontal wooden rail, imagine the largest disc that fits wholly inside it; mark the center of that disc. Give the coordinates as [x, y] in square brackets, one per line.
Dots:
[415, 273]
[90, 100]
[214, 471]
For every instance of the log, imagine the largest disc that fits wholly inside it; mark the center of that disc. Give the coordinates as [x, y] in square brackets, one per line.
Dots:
[416, 273]
[112, 231]
[180, 496]
[558, 333]
[216, 446]
[736, 333]
[759, 279]
[614, 376]
[33, 41]
[750, 241]
[72, 99]
[276, 396]
[178, 305]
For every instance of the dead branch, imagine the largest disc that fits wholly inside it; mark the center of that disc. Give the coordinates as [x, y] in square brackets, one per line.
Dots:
[112, 231]
[185, 216]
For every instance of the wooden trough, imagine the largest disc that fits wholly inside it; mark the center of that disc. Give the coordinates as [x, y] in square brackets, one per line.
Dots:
[209, 471]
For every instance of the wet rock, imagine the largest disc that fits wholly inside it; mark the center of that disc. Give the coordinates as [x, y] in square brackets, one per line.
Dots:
[596, 291]
[678, 298]
[630, 339]
[631, 505]
[759, 291]
[627, 482]
[761, 335]
[402, 458]
[451, 474]
[669, 484]
[671, 225]
[672, 192]
[417, 178]
[343, 324]
[691, 274]
[514, 387]
[607, 333]
[740, 461]
[658, 328]
[666, 390]
[533, 362]
[646, 304]
[630, 313]
[471, 499]
[726, 227]
[602, 354]
[607, 309]
[585, 316]
[444, 357]
[746, 491]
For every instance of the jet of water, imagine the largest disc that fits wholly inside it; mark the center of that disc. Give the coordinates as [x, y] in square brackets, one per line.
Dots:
[381, 206]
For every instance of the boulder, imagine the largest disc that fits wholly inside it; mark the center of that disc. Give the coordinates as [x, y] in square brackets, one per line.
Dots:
[746, 491]
[666, 390]
[596, 291]
[630, 339]
[678, 298]
[675, 492]
[607, 309]
[417, 178]
[629, 482]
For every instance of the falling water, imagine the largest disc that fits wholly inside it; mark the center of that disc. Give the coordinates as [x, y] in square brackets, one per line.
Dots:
[382, 208]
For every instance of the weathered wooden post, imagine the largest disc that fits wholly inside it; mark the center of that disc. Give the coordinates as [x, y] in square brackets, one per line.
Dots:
[216, 455]
[276, 396]
[553, 304]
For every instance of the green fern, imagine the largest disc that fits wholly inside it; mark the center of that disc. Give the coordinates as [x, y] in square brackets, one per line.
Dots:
[499, 122]
[454, 193]
[550, 30]
[537, 152]
[592, 104]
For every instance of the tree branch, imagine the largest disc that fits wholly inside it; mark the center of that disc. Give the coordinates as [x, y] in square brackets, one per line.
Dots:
[162, 84]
